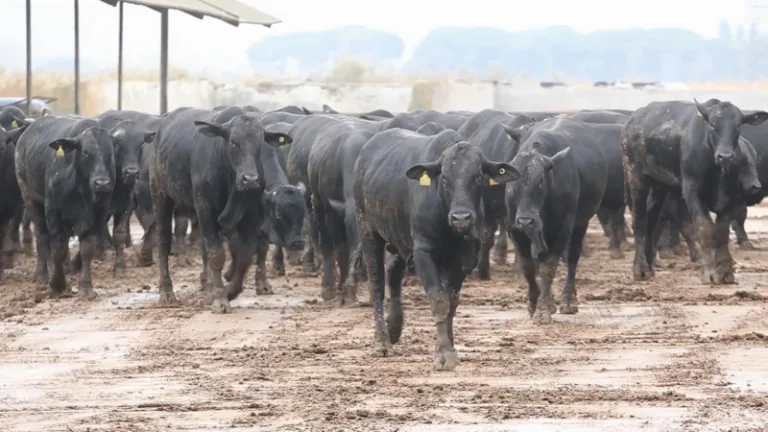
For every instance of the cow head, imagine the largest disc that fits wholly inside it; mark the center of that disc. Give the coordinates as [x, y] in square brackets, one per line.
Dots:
[724, 120]
[285, 208]
[129, 139]
[92, 155]
[10, 137]
[531, 191]
[459, 173]
[746, 169]
[243, 136]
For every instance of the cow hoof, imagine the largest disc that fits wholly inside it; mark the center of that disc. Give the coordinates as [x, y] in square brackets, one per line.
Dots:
[145, 262]
[679, 250]
[183, 262]
[28, 251]
[87, 294]
[500, 259]
[446, 360]
[277, 271]
[666, 253]
[746, 245]
[364, 303]
[542, 316]
[327, 294]
[167, 299]
[119, 270]
[616, 254]
[264, 288]
[220, 306]
[383, 349]
[568, 308]
[643, 273]
[66, 293]
[714, 277]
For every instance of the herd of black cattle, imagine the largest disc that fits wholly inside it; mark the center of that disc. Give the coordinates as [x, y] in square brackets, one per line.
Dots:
[380, 195]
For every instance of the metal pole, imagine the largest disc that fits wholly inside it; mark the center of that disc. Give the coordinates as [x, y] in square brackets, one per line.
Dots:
[29, 57]
[164, 61]
[77, 56]
[120, 62]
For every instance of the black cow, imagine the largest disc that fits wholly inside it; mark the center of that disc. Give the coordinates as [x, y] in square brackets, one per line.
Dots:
[497, 134]
[611, 212]
[431, 213]
[284, 209]
[65, 167]
[10, 195]
[12, 117]
[450, 121]
[564, 175]
[692, 148]
[431, 128]
[758, 137]
[208, 163]
[128, 153]
[330, 169]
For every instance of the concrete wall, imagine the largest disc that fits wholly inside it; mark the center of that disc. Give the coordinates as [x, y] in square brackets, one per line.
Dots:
[445, 95]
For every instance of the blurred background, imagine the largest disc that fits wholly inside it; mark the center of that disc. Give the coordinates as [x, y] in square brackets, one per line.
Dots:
[400, 55]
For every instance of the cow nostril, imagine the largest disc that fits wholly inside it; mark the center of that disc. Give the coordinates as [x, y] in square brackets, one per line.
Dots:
[524, 221]
[248, 178]
[460, 216]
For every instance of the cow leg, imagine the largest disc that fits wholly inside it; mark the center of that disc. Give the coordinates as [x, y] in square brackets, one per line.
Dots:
[6, 247]
[87, 251]
[242, 257]
[717, 264]
[739, 217]
[26, 231]
[230, 272]
[119, 235]
[500, 246]
[194, 232]
[261, 281]
[605, 217]
[373, 253]
[350, 272]
[180, 242]
[440, 303]
[43, 245]
[59, 247]
[214, 250]
[309, 266]
[528, 268]
[488, 231]
[278, 262]
[322, 224]
[569, 304]
[4, 256]
[615, 227]
[342, 261]
[688, 232]
[641, 267]
[127, 229]
[163, 224]
[656, 199]
[396, 266]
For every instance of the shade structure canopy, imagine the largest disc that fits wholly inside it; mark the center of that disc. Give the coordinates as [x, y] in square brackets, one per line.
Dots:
[230, 11]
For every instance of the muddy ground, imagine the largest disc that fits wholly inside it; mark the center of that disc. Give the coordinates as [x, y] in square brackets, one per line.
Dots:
[670, 354]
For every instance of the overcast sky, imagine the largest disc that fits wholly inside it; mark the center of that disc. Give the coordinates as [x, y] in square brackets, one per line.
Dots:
[217, 45]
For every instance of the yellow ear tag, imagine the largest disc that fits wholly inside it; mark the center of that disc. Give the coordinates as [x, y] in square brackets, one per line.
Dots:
[509, 137]
[492, 182]
[699, 113]
[281, 139]
[14, 125]
[425, 180]
[60, 152]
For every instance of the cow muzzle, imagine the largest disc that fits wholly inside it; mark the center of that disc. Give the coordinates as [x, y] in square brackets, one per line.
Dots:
[461, 220]
[248, 181]
[101, 185]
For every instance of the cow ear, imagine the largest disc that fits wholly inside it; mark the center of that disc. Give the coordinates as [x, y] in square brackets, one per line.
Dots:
[754, 118]
[513, 133]
[12, 136]
[425, 172]
[117, 134]
[212, 130]
[500, 172]
[328, 110]
[277, 139]
[149, 137]
[65, 145]
[559, 156]
[703, 112]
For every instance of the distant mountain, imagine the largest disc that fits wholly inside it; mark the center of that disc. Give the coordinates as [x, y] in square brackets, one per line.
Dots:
[556, 52]
[316, 52]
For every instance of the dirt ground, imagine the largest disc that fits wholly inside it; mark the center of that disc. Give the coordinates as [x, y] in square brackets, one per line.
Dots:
[669, 354]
